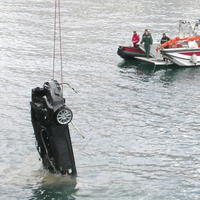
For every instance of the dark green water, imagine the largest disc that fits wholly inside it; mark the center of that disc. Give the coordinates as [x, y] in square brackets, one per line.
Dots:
[141, 127]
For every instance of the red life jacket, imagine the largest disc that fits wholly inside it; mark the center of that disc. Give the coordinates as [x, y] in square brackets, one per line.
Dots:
[135, 38]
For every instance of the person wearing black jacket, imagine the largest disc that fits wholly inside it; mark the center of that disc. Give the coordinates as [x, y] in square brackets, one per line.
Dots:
[164, 38]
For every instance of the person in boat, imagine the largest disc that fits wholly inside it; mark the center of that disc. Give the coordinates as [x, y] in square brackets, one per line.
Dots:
[164, 39]
[146, 30]
[135, 39]
[148, 41]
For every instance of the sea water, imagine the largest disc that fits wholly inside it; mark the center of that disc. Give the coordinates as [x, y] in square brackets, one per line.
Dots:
[141, 128]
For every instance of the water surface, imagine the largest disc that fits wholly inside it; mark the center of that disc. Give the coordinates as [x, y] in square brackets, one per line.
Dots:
[141, 127]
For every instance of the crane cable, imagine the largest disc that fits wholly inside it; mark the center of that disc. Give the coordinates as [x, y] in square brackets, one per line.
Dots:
[57, 14]
[57, 22]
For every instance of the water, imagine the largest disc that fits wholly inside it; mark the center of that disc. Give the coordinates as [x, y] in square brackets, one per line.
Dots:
[141, 128]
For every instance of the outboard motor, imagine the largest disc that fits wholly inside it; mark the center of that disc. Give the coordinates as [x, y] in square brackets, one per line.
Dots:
[50, 119]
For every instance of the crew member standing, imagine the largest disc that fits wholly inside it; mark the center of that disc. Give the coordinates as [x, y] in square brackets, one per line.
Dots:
[135, 39]
[164, 38]
[148, 41]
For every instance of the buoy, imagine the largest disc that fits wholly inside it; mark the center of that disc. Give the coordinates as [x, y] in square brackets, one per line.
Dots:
[194, 59]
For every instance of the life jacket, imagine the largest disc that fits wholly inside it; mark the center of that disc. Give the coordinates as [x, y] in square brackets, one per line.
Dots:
[135, 38]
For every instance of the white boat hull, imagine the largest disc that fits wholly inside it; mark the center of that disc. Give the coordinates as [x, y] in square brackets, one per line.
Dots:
[183, 56]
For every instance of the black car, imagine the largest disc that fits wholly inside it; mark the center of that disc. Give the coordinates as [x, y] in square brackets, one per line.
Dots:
[50, 118]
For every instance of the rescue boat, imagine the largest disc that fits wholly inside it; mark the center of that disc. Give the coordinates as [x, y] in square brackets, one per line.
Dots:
[183, 50]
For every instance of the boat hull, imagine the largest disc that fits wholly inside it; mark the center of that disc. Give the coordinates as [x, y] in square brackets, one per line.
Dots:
[182, 56]
[130, 52]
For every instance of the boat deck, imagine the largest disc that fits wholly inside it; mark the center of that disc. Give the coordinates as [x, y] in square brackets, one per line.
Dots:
[155, 61]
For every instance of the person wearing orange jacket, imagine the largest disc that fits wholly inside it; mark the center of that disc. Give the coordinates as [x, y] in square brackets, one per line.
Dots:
[135, 39]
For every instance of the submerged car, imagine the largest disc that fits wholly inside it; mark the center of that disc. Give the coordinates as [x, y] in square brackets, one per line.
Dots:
[50, 118]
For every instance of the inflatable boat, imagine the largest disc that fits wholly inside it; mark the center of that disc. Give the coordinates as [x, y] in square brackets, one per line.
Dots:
[130, 52]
